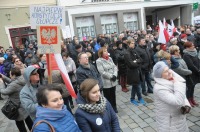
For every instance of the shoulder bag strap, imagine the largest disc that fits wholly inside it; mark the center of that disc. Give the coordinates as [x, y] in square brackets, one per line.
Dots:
[43, 121]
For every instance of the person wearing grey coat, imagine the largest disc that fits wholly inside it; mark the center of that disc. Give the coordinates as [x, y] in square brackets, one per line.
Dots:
[28, 93]
[108, 71]
[15, 84]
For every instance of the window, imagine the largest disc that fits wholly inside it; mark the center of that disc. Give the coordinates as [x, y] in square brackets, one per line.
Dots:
[85, 32]
[132, 25]
[109, 28]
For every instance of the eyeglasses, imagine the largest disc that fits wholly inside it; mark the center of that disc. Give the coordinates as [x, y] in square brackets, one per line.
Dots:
[84, 58]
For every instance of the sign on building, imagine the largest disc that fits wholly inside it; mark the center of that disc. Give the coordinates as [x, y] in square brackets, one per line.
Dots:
[47, 15]
[48, 39]
[66, 32]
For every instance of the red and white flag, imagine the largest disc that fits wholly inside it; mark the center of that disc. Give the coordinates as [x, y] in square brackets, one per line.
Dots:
[163, 34]
[165, 23]
[58, 64]
[171, 28]
[161, 37]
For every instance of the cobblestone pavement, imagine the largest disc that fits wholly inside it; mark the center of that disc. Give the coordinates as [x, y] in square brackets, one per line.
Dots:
[132, 118]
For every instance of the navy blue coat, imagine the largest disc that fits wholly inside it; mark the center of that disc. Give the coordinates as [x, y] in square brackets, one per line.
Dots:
[87, 122]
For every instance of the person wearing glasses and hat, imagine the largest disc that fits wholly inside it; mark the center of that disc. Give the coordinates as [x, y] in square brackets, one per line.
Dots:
[28, 92]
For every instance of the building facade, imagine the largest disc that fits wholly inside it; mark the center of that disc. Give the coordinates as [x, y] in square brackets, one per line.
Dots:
[92, 17]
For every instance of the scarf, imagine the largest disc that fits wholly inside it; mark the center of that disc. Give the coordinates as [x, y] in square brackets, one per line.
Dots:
[97, 108]
[105, 57]
[86, 66]
[191, 52]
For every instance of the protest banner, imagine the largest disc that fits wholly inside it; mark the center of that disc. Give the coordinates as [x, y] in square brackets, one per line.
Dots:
[48, 39]
[48, 43]
[47, 15]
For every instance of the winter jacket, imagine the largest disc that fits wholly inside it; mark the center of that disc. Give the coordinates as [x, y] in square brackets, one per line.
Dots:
[2, 69]
[182, 70]
[71, 68]
[97, 46]
[90, 122]
[190, 37]
[193, 63]
[120, 61]
[197, 40]
[133, 62]
[71, 49]
[180, 44]
[28, 94]
[83, 73]
[8, 65]
[12, 90]
[113, 55]
[144, 53]
[107, 69]
[61, 120]
[57, 78]
[169, 97]
[27, 61]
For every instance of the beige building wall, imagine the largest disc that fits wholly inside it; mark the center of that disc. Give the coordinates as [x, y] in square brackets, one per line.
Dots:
[14, 14]
[24, 3]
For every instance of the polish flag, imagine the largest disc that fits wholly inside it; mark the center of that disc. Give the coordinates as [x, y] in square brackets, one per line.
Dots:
[171, 28]
[161, 37]
[58, 64]
[165, 24]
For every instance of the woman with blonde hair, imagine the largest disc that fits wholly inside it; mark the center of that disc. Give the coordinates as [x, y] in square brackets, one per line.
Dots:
[183, 71]
[168, 59]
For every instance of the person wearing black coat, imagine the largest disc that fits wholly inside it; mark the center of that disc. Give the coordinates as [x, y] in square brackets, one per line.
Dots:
[87, 70]
[144, 53]
[197, 40]
[134, 73]
[113, 53]
[121, 66]
[193, 62]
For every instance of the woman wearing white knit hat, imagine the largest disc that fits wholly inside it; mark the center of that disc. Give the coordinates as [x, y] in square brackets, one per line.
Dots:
[170, 100]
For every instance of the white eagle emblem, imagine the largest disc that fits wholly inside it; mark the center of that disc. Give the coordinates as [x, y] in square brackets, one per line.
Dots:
[48, 35]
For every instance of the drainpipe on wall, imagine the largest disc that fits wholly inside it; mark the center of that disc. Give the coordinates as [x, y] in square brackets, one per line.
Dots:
[192, 19]
[142, 18]
[57, 2]
[179, 21]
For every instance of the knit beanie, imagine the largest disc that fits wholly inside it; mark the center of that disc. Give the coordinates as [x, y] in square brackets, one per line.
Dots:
[158, 69]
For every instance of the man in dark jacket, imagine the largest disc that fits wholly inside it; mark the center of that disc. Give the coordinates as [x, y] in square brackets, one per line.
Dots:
[71, 48]
[134, 73]
[144, 53]
[87, 70]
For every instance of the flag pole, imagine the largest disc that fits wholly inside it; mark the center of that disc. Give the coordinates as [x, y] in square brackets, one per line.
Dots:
[49, 68]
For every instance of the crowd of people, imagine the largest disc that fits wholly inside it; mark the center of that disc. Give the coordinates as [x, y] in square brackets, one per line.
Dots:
[95, 67]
